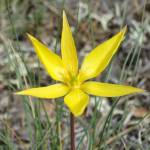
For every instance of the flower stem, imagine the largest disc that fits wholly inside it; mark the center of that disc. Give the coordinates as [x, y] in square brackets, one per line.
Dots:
[72, 133]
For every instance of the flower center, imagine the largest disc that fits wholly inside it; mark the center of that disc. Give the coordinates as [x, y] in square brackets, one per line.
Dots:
[74, 83]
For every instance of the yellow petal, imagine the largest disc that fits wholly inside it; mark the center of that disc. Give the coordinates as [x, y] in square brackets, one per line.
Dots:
[52, 62]
[68, 49]
[52, 91]
[108, 90]
[98, 59]
[77, 101]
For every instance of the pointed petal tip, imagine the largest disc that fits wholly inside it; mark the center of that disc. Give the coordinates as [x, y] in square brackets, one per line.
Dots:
[64, 14]
[18, 93]
[30, 37]
[137, 91]
[140, 90]
[124, 30]
[15, 93]
[64, 18]
[23, 92]
[28, 34]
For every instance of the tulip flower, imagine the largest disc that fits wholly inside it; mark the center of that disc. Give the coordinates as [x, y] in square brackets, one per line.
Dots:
[75, 84]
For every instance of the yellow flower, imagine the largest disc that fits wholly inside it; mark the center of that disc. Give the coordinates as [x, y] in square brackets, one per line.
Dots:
[74, 85]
